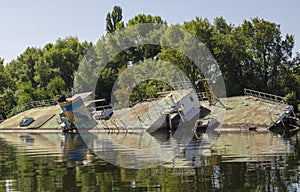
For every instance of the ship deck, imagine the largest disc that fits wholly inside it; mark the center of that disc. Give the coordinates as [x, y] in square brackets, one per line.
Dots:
[243, 113]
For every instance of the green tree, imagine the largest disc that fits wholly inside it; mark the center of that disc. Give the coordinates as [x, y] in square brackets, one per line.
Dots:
[176, 37]
[112, 61]
[254, 55]
[142, 18]
[56, 87]
[230, 50]
[22, 69]
[25, 93]
[270, 52]
[203, 30]
[8, 99]
[3, 78]
[60, 60]
[139, 23]
[113, 20]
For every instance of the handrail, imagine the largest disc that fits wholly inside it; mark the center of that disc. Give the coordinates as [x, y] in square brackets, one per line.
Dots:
[179, 85]
[41, 103]
[262, 95]
[1, 118]
[202, 96]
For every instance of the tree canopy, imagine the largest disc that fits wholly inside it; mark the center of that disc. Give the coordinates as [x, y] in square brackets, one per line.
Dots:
[253, 55]
[41, 73]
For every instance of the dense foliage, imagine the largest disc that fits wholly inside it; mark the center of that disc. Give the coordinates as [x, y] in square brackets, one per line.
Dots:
[254, 55]
[40, 73]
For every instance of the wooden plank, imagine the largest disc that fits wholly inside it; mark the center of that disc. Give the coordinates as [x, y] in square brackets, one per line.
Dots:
[40, 121]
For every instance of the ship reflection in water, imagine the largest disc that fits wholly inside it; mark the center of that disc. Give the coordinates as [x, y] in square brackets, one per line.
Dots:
[144, 150]
[149, 162]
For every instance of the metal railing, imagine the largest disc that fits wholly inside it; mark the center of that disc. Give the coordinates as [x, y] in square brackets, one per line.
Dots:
[1, 118]
[266, 96]
[183, 85]
[40, 103]
[202, 96]
[30, 105]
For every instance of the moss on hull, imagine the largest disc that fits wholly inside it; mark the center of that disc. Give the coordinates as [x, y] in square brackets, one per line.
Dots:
[245, 112]
[36, 113]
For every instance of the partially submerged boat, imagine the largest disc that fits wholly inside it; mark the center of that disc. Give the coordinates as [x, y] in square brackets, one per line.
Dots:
[147, 116]
[181, 107]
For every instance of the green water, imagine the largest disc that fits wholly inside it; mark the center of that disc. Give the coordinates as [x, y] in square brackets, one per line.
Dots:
[235, 162]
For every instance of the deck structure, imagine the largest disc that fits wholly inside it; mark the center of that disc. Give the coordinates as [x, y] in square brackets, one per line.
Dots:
[152, 115]
[46, 120]
[254, 110]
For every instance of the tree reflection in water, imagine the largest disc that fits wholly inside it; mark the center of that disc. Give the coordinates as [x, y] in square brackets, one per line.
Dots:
[50, 162]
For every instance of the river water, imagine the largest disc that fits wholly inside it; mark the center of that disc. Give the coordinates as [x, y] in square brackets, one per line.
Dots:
[244, 161]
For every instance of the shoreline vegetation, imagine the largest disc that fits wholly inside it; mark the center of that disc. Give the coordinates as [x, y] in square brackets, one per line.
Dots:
[254, 55]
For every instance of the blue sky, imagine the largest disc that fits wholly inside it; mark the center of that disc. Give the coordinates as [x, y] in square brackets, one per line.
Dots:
[35, 22]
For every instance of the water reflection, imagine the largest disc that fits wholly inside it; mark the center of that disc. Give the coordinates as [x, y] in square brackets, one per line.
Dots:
[250, 146]
[75, 150]
[247, 161]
